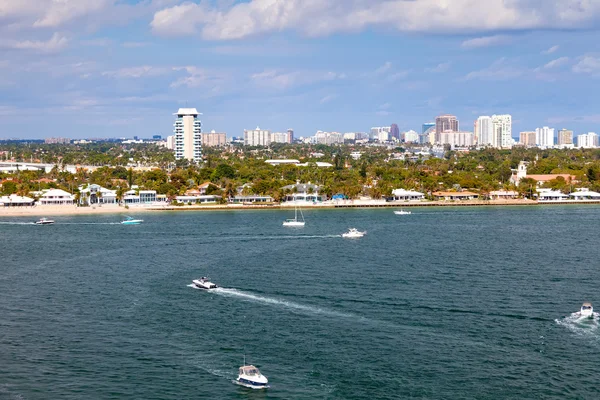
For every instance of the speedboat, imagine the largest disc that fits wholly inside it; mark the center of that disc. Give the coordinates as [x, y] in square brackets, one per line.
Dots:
[402, 212]
[44, 221]
[587, 310]
[204, 283]
[250, 377]
[131, 221]
[354, 233]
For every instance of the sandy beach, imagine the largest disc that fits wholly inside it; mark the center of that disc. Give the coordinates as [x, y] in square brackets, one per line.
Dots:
[44, 211]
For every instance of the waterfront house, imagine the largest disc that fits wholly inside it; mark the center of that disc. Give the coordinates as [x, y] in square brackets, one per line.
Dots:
[549, 195]
[56, 197]
[147, 197]
[584, 194]
[303, 192]
[198, 199]
[95, 194]
[251, 200]
[451, 196]
[407, 195]
[16, 201]
[503, 194]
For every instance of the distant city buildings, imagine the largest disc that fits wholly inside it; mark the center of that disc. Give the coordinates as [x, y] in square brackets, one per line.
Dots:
[587, 141]
[527, 138]
[329, 138]
[445, 123]
[381, 133]
[411, 137]
[257, 137]
[502, 131]
[188, 135]
[427, 133]
[565, 137]
[395, 131]
[544, 137]
[57, 140]
[214, 139]
[456, 139]
[356, 136]
[484, 129]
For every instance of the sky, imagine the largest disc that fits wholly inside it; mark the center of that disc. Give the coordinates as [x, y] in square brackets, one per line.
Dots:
[115, 68]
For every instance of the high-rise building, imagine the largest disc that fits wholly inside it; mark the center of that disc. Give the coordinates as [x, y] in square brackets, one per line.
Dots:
[544, 137]
[257, 137]
[426, 130]
[188, 135]
[376, 131]
[329, 138]
[461, 139]
[214, 139]
[565, 136]
[502, 131]
[587, 141]
[527, 139]
[57, 140]
[290, 134]
[484, 129]
[411, 137]
[426, 126]
[445, 123]
[395, 131]
[171, 142]
[280, 137]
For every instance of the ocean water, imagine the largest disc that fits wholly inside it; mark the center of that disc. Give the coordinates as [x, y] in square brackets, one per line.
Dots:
[446, 303]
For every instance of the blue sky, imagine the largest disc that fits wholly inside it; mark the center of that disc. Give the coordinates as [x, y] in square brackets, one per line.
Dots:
[109, 68]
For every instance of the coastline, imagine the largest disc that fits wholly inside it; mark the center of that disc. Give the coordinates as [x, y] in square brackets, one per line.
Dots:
[113, 209]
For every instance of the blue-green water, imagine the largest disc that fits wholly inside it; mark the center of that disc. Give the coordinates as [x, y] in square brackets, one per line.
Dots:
[446, 303]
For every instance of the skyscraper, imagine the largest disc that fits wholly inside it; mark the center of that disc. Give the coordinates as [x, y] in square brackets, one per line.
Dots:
[395, 131]
[587, 141]
[257, 137]
[502, 131]
[527, 139]
[544, 137]
[290, 135]
[426, 129]
[484, 129]
[188, 135]
[444, 123]
[565, 137]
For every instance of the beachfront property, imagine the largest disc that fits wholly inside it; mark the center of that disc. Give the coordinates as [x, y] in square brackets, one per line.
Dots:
[407, 195]
[455, 196]
[303, 192]
[503, 195]
[198, 199]
[93, 194]
[252, 200]
[584, 194]
[56, 197]
[16, 201]
[144, 197]
[546, 195]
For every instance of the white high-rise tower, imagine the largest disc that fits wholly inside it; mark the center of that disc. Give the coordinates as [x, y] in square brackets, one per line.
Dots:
[502, 131]
[544, 137]
[188, 135]
[484, 129]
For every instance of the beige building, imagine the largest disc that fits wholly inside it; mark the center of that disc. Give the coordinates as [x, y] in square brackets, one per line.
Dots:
[445, 123]
[187, 130]
[527, 138]
[565, 136]
[457, 139]
[214, 139]
[257, 137]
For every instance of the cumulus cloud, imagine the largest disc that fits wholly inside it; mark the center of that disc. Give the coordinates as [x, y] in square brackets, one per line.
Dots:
[321, 18]
[486, 41]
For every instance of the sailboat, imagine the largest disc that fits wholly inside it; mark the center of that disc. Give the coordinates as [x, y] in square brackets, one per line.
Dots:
[295, 222]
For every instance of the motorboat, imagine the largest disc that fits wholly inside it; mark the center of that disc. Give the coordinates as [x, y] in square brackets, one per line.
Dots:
[204, 283]
[44, 221]
[587, 310]
[250, 377]
[354, 233]
[131, 221]
[295, 222]
[402, 212]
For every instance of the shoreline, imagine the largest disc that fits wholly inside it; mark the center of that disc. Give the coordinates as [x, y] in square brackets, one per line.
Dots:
[111, 209]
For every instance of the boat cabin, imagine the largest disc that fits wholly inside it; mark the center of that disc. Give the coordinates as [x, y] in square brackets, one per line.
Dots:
[249, 370]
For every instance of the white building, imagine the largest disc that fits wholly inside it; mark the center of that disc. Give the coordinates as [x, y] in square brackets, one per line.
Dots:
[355, 136]
[456, 139]
[502, 131]
[329, 138]
[54, 197]
[587, 141]
[188, 135]
[407, 195]
[544, 137]
[585, 194]
[411, 137]
[377, 131]
[96, 194]
[280, 137]
[257, 137]
[484, 128]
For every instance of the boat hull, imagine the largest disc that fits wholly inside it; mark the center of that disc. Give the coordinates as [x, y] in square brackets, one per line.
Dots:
[294, 224]
[204, 285]
[250, 384]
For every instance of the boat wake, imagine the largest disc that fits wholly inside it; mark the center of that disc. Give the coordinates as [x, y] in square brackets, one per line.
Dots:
[580, 325]
[90, 223]
[275, 302]
[286, 237]
[17, 223]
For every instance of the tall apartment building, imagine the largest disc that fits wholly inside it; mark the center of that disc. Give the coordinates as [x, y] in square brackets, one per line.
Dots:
[395, 131]
[257, 137]
[445, 123]
[484, 129]
[544, 137]
[329, 138]
[214, 139]
[565, 137]
[57, 140]
[527, 139]
[502, 131]
[280, 137]
[454, 139]
[290, 136]
[587, 141]
[188, 135]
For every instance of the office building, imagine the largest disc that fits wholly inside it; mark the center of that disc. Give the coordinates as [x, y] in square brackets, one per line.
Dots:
[502, 131]
[290, 134]
[188, 135]
[427, 129]
[444, 123]
[395, 131]
[565, 137]
[257, 137]
[214, 139]
[544, 137]
[587, 141]
[484, 129]
[411, 137]
[527, 139]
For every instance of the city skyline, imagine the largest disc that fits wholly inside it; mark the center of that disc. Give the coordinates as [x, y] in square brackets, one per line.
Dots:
[310, 65]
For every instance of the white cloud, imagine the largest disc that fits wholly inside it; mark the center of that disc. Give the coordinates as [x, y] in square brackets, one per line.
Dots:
[588, 64]
[279, 80]
[500, 69]
[136, 72]
[486, 41]
[328, 98]
[56, 43]
[135, 44]
[320, 18]
[551, 50]
[443, 67]
[384, 68]
[559, 62]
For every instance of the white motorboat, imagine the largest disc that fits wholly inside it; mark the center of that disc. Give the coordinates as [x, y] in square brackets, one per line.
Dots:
[402, 212]
[354, 233]
[250, 377]
[131, 221]
[204, 283]
[44, 221]
[587, 310]
[295, 222]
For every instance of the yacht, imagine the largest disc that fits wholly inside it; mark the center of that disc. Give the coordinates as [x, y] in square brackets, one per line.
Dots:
[250, 377]
[295, 222]
[204, 283]
[44, 221]
[587, 310]
[131, 221]
[354, 233]
[402, 212]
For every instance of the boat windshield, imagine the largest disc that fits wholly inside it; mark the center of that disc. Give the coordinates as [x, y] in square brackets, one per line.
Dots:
[586, 307]
[249, 371]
